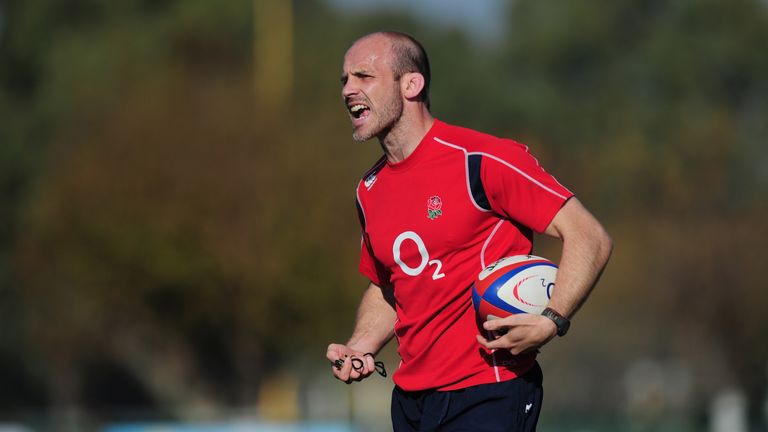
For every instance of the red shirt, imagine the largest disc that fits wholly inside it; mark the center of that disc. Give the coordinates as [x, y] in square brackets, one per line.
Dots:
[431, 223]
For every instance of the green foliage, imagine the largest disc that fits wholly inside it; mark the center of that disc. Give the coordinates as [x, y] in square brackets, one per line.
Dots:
[658, 96]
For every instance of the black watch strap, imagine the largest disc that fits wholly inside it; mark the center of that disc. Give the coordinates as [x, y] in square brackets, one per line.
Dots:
[562, 323]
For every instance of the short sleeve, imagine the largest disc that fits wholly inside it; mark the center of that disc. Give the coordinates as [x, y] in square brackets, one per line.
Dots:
[370, 267]
[518, 188]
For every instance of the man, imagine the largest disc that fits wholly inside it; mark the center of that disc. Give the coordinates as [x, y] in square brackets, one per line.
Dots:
[440, 205]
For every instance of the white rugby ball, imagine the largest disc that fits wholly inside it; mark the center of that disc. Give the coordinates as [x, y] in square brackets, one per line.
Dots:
[512, 285]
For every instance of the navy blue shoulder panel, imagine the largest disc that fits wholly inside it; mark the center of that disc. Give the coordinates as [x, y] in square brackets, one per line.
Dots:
[475, 183]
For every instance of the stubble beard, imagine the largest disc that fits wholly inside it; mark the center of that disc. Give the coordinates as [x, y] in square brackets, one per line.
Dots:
[386, 118]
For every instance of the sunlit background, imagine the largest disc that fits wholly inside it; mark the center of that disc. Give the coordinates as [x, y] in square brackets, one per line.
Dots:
[178, 237]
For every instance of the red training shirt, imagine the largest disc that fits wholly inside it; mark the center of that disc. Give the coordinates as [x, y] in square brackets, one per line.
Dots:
[431, 223]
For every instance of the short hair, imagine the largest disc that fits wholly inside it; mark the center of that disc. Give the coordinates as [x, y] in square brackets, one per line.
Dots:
[409, 56]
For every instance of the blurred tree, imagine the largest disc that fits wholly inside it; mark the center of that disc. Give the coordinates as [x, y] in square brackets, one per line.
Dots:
[661, 97]
[111, 260]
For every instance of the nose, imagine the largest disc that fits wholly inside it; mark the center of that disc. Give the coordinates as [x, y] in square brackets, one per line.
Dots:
[348, 89]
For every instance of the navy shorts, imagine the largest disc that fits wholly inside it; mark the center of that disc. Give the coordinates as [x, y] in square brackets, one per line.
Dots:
[512, 405]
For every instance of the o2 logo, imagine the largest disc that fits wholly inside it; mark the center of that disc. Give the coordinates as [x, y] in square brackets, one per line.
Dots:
[425, 261]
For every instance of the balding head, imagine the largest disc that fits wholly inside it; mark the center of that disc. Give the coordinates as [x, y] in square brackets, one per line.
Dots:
[407, 55]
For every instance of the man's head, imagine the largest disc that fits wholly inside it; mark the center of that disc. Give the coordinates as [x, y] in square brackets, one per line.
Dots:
[382, 72]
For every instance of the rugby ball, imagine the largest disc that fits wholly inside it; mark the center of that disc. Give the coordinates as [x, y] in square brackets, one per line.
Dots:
[512, 285]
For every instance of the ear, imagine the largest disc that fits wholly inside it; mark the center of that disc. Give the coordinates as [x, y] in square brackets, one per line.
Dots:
[411, 84]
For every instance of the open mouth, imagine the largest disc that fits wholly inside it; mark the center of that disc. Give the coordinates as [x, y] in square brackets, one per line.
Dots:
[359, 110]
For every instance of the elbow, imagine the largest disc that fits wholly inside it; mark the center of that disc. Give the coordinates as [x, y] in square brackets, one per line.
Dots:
[604, 245]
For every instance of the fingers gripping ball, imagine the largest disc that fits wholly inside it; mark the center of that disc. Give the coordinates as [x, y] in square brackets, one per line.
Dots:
[512, 285]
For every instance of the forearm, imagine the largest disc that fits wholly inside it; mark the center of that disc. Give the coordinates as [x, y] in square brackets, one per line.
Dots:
[375, 322]
[586, 249]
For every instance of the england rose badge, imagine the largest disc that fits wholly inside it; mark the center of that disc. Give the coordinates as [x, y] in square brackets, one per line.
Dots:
[434, 207]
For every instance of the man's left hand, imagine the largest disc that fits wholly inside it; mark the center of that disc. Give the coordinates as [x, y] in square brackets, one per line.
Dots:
[518, 333]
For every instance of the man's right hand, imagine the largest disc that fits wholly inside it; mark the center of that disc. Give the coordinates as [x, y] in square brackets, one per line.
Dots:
[349, 365]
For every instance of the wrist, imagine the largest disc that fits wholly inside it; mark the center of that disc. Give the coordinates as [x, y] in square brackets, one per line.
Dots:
[361, 347]
[562, 324]
[551, 327]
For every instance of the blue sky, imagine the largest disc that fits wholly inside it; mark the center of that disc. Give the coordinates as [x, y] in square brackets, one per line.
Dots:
[482, 19]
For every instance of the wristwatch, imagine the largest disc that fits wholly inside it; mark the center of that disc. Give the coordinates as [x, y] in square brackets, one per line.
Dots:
[562, 323]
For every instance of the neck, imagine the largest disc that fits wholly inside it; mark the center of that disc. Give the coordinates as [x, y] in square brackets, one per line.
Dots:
[405, 135]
